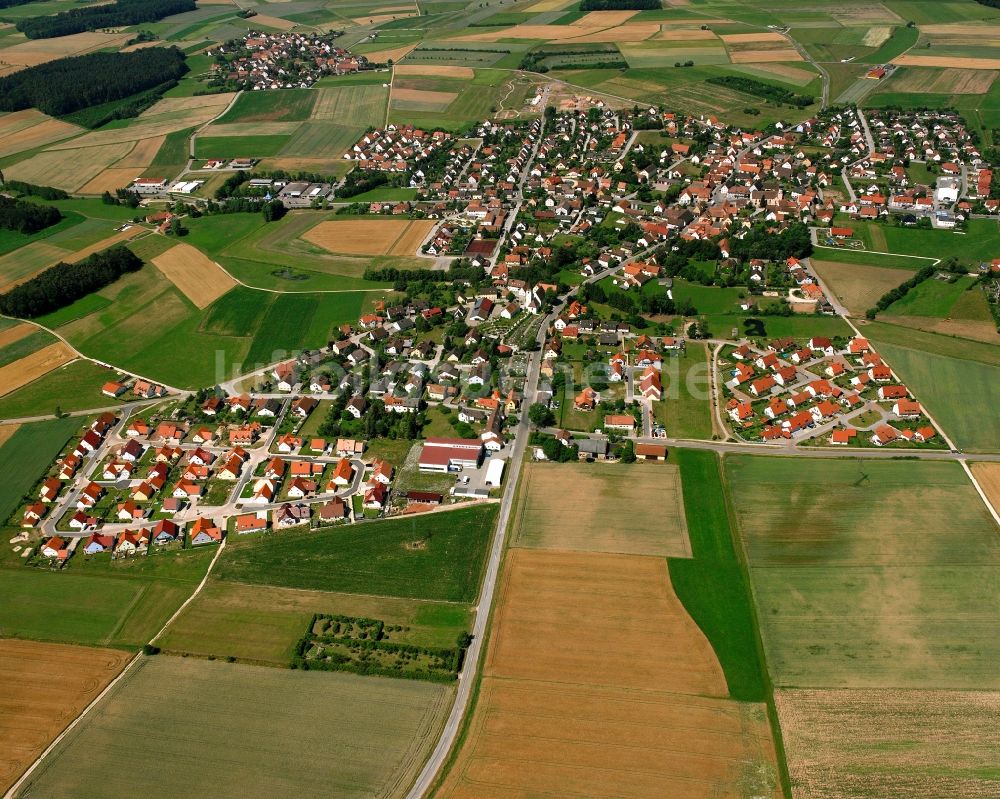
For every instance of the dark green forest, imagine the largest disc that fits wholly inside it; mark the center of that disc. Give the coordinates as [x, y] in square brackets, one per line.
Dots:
[25, 217]
[69, 84]
[63, 284]
[92, 18]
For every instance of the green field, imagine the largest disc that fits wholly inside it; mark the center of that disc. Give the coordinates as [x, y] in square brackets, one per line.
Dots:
[951, 346]
[980, 243]
[274, 732]
[11, 240]
[73, 387]
[225, 147]
[286, 105]
[26, 456]
[962, 395]
[870, 573]
[263, 623]
[434, 556]
[25, 346]
[685, 409]
[321, 139]
[356, 106]
[98, 603]
[931, 298]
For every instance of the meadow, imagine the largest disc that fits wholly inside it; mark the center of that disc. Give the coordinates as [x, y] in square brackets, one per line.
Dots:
[25, 457]
[685, 410]
[73, 387]
[961, 394]
[260, 623]
[319, 731]
[860, 584]
[288, 105]
[99, 604]
[434, 556]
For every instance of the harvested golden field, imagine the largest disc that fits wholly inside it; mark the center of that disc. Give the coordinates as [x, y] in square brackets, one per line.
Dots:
[176, 105]
[143, 153]
[395, 53]
[434, 70]
[946, 61]
[199, 278]
[11, 334]
[28, 129]
[764, 56]
[273, 22]
[368, 236]
[869, 14]
[604, 19]
[876, 35]
[434, 101]
[411, 238]
[988, 476]
[784, 72]
[978, 330]
[597, 683]
[103, 244]
[870, 744]
[6, 431]
[683, 35]
[945, 81]
[68, 169]
[31, 367]
[576, 506]
[250, 129]
[630, 32]
[111, 179]
[859, 286]
[39, 51]
[32, 715]
[743, 38]
[549, 5]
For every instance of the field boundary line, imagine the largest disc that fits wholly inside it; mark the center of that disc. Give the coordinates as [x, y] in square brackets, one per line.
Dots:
[138, 658]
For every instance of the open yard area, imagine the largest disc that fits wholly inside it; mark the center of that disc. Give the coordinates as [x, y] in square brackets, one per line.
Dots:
[858, 286]
[870, 574]
[577, 506]
[271, 731]
[433, 556]
[597, 683]
[263, 623]
[370, 236]
[869, 744]
[33, 717]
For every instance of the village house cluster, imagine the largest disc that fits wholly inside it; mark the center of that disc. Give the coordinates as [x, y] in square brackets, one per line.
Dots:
[264, 60]
[397, 148]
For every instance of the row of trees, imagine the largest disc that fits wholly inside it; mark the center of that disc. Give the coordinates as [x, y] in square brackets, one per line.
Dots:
[26, 217]
[92, 18]
[63, 284]
[31, 190]
[900, 291]
[761, 89]
[69, 84]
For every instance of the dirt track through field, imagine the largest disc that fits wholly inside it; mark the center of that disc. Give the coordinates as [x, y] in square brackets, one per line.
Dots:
[44, 687]
[33, 366]
[198, 277]
[597, 683]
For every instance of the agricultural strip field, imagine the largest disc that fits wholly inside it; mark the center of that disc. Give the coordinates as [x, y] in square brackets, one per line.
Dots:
[199, 278]
[271, 730]
[31, 367]
[988, 475]
[434, 556]
[18, 266]
[68, 169]
[32, 716]
[597, 683]
[685, 409]
[858, 286]
[370, 236]
[357, 106]
[30, 129]
[570, 506]
[72, 387]
[289, 105]
[962, 395]
[263, 623]
[863, 744]
[870, 574]
[96, 602]
[25, 454]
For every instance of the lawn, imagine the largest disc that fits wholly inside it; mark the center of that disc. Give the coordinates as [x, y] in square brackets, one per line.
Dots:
[713, 585]
[962, 395]
[434, 556]
[870, 574]
[287, 105]
[99, 604]
[26, 456]
[980, 243]
[685, 409]
[275, 732]
[263, 623]
[800, 326]
[72, 387]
